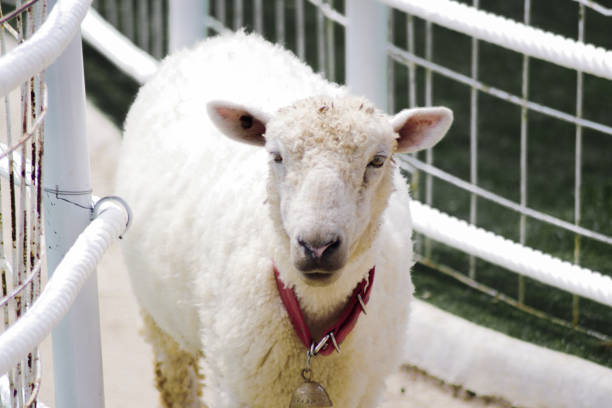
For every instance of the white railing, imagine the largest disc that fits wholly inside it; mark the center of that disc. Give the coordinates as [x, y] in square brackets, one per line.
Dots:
[366, 73]
[367, 55]
[41, 83]
[366, 68]
[531, 42]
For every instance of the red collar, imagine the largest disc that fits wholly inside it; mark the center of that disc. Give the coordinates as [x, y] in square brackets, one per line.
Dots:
[341, 328]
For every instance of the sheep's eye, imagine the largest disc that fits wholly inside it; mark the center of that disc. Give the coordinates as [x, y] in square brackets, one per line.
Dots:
[277, 157]
[377, 161]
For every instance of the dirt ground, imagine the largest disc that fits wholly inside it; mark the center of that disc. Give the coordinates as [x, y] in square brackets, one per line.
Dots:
[127, 359]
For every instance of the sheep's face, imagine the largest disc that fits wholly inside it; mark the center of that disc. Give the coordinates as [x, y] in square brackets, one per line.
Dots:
[331, 172]
[329, 180]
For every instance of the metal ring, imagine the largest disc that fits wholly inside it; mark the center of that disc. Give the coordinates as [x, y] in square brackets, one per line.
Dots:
[121, 201]
[307, 372]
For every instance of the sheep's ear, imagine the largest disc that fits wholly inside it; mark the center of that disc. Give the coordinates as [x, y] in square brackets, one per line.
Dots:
[238, 122]
[420, 128]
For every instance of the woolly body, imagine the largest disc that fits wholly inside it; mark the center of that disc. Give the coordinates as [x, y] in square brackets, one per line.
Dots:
[206, 231]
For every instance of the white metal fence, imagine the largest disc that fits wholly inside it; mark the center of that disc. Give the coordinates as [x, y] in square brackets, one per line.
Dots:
[44, 159]
[359, 37]
[356, 42]
[350, 41]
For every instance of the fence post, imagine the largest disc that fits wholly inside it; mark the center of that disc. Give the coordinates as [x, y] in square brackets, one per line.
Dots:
[186, 23]
[366, 54]
[77, 356]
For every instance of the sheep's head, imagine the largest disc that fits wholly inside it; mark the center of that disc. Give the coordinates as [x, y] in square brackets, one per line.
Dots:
[331, 171]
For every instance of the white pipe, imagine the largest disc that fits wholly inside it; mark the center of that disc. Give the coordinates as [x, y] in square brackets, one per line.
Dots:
[511, 35]
[44, 46]
[186, 23]
[67, 200]
[366, 58]
[117, 48]
[515, 257]
[62, 289]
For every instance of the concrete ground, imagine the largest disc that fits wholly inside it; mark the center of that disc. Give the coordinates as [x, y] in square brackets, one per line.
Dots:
[127, 359]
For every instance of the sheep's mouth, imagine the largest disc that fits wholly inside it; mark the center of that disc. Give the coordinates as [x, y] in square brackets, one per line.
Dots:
[317, 278]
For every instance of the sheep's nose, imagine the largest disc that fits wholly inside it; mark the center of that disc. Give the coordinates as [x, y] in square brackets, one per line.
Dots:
[318, 251]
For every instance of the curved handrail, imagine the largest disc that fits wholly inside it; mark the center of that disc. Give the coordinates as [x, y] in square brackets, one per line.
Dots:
[510, 34]
[39, 51]
[63, 287]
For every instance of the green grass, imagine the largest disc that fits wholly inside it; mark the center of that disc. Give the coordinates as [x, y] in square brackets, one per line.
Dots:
[484, 310]
[550, 162]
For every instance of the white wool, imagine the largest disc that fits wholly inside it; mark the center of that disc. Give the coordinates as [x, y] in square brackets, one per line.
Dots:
[202, 245]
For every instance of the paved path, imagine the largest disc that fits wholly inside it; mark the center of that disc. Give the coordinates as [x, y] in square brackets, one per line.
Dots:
[127, 359]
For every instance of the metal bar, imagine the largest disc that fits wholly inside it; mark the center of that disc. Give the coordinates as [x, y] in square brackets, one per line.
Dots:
[331, 50]
[111, 13]
[21, 217]
[407, 58]
[238, 14]
[186, 22]
[16, 372]
[18, 10]
[143, 25]
[390, 68]
[523, 158]
[76, 340]
[127, 19]
[412, 92]
[217, 26]
[280, 21]
[300, 29]
[578, 164]
[429, 155]
[329, 12]
[117, 48]
[258, 10]
[321, 41]
[407, 161]
[366, 61]
[474, 142]
[595, 6]
[411, 66]
[157, 29]
[221, 11]
[5, 268]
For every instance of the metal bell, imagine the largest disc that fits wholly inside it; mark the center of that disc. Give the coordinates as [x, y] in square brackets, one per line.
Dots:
[310, 394]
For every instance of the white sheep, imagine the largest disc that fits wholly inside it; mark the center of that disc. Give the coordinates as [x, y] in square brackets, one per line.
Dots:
[322, 203]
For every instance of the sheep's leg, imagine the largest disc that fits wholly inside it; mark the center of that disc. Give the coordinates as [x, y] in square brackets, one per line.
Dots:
[177, 375]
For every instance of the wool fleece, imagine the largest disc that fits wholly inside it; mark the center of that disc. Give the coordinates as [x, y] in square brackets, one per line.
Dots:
[213, 217]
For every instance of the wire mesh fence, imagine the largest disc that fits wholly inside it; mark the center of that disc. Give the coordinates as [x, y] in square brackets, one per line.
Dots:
[21, 152]
[527, 156]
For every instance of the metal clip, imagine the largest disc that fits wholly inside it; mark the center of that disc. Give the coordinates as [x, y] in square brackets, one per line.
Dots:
[321, 344]
[333, 339]
[363, 308]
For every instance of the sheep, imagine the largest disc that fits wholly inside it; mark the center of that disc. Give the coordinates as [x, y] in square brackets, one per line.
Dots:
[310, 200]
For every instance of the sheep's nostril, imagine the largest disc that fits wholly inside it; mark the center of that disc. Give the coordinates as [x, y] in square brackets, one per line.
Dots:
[317, 251]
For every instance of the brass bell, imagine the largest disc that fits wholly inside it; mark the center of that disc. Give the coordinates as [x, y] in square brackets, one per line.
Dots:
[310, 394]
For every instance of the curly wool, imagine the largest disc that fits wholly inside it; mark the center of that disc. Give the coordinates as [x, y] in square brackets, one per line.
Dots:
[205, 236]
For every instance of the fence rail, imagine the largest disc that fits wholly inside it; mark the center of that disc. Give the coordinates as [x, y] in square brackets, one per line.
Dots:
[42, 110]
[353, 41]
